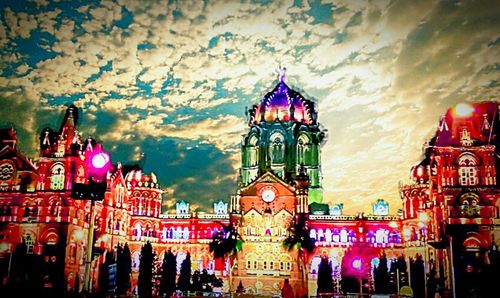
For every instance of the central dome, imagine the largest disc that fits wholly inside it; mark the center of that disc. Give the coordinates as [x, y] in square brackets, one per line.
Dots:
[284, 104]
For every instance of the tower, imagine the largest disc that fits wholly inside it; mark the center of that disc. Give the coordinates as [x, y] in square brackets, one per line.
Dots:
[284, 135]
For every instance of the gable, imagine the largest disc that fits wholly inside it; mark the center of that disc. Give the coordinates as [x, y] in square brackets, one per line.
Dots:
[268, 178]
[17, 173]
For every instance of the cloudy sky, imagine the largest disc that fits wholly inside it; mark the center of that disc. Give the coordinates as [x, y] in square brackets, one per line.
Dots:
[172, 80]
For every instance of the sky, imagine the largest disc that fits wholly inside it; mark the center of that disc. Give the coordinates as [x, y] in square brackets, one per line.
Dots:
[171, 80]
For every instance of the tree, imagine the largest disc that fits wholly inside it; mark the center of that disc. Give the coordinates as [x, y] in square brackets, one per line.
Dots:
[145, 282]
[196, 284]
[398, 274]
[123, 269]
[417, 272]
[168, 274]
[299, 238]
[104, 272]
[184, 281]
[381, 276]
[226, 243]
[325, 280]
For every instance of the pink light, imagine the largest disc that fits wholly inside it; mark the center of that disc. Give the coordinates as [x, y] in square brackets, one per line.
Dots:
[100, 160]
[356, 264]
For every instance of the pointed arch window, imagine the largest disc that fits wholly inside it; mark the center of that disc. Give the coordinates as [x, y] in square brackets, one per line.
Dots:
[277, 148]
[253, 151]
[467, 169]
[303, 149]
[57, 177]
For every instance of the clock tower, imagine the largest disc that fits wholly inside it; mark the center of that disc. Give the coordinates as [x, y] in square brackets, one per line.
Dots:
[284, 136]
[280, 174]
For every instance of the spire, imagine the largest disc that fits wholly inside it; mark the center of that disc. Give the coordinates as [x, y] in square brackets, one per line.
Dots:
[282, 75]
[486, 123]
[46, 139]
[443, 125]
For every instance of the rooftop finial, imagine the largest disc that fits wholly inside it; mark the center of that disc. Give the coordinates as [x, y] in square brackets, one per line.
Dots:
[282, 74]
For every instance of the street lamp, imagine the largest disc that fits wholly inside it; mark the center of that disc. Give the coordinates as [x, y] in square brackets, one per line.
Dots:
[357, 265]
[98, 163]
[423, 220]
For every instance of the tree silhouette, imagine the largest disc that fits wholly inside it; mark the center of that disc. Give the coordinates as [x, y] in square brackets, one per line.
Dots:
[299, 238]
[417, 272]
[325, 280]
[123, 269]
[168, 274]
[104, 272]
[226, 243]
[398, 270]
[145, 282]
[184, 281]
[381, 276]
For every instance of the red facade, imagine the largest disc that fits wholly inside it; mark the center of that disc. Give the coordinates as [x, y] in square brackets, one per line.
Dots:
[450, 210]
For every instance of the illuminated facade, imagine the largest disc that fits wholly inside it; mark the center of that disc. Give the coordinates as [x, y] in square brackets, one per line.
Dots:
[453, 203]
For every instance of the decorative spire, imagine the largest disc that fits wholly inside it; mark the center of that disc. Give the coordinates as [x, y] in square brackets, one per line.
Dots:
[443, 125]
[46, 139]
[486, 123]
[282, 76]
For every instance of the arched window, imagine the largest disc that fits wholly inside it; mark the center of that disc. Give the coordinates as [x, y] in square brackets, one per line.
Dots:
[186, 233]
[138, 230]
[57, 177]
[335, 236]
[253, 151]
[382, 236]
[467, 169]
[321, 236]
[72, 253]
[343, 236]
[313, 233]
[136, 260]
[469, 204]
[303, 148]
[328, 235]
[277, 148]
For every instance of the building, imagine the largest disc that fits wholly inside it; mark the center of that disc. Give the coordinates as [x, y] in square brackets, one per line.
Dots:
[453, 204]
[450, 213]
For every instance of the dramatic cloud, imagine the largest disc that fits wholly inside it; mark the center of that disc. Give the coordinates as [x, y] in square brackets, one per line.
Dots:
[172, 80]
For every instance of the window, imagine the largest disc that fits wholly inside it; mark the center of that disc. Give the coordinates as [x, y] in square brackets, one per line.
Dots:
[72, 253]
[276, 148]
[253, 151]
[303, 150]
[57, 177]
[30, 242]
[467, 169]
[468, 176]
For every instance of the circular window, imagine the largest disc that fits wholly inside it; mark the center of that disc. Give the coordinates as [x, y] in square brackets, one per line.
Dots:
[6, 171]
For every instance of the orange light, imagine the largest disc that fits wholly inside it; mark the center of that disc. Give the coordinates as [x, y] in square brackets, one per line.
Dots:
[464, 110]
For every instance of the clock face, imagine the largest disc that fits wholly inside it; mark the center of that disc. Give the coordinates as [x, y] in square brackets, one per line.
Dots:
[268, 195]
[6, 171]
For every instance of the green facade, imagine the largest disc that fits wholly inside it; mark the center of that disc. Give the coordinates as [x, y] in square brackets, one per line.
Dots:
[284, 135]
